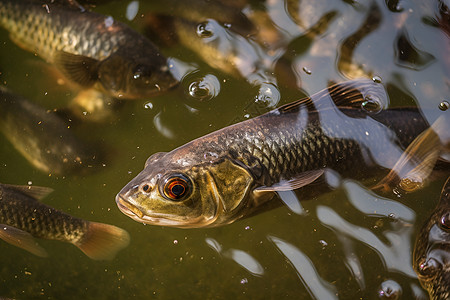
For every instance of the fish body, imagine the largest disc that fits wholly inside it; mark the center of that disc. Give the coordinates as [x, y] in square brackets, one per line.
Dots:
[233, 172]
[41, 136]
[90, 49]
[23, 216]
[432, 249]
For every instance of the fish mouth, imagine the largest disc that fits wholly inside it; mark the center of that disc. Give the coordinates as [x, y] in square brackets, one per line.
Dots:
[129, 209]
[136, 214]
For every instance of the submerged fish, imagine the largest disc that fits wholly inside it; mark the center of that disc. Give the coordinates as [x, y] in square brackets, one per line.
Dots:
[432, 250]
[90, 49]
[224, 50]
[41, 136]
[22, 216]
[234, 172]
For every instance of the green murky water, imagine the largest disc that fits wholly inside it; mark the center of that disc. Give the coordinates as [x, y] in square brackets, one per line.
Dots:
[348, 244]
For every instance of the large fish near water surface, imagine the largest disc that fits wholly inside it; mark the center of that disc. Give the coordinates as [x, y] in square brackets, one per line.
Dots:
[90, 49]
[234, 172]
[23, 217]
[432, 249]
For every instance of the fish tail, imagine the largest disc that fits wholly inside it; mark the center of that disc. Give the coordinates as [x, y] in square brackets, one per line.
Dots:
[103, 241]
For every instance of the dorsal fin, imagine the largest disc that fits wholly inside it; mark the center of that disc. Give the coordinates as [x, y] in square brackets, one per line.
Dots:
[35, 192]
[360, 94]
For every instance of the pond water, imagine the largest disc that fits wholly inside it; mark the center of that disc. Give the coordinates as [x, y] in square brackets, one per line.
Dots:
[347, 244]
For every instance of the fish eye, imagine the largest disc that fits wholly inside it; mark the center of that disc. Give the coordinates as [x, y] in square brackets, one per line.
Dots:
[445, 221]
[142, 71]
[176, 187]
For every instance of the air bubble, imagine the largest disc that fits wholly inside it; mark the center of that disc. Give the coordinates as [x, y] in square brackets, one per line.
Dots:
[444, 105]
[268, 95]
[204, 88]
[371, 104]
[204, 30]
[307, 71]
[148, 105]
[390, 289]
[323, 243]
[376, 79]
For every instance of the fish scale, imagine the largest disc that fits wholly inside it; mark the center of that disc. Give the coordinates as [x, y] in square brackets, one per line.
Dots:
[34, 217]
[30, 24]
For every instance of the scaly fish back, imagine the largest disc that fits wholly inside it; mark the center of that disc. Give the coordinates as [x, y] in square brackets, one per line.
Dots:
[103, 241]
[46, 29]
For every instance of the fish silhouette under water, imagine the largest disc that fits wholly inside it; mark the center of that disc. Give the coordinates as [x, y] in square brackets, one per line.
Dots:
[43, 138]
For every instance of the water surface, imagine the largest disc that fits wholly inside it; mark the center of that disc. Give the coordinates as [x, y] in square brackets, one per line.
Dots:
[347, 244]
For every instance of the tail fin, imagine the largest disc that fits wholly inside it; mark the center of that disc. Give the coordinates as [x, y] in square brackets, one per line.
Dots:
[103, 241]
[416, 164]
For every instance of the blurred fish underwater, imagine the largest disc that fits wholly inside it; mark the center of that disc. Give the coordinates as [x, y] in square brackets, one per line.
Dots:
[90, 49]
[207, 66]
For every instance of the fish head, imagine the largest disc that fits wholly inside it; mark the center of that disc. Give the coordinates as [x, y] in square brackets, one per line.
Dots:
[185, 192]
[432, 249]
[135, 76]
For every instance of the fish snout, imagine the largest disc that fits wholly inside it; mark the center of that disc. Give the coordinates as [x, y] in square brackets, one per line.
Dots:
[128, 208]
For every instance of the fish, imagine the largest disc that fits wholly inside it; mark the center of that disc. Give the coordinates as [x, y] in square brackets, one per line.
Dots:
[23, 216]
[223, 50]
[431, 257]
[91, 50]
[42, 137]
[235, 172]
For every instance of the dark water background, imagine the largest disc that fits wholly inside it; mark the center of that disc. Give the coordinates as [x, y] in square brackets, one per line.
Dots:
[348, 244]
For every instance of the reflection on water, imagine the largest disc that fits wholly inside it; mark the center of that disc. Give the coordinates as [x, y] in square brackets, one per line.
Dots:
[242, 258]
[393, 244]
[347, 244]
[318, 288]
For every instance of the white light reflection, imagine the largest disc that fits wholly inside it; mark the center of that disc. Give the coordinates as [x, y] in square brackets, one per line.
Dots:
[352, 261]
[164, 130]
[396, 254]
[179, 69]
[241, 257]
[292, 202]
[373, 205]
[317, 287]
[132, 10]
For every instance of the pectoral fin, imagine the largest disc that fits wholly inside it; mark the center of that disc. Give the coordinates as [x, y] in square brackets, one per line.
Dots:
[78, 68]
[302, 179]
[21, 239]
[35, 192]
